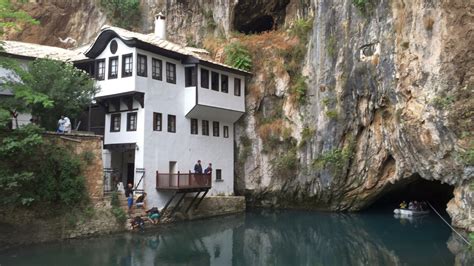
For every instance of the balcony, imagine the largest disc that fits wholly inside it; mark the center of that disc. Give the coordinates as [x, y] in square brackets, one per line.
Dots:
[189, 182]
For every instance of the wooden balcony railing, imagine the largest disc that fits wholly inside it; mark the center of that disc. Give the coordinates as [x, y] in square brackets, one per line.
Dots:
[182, 181]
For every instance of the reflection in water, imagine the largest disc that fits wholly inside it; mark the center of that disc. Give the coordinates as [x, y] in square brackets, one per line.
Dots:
[259, 237]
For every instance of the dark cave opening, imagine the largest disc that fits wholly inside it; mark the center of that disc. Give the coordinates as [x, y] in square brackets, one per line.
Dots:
[418, 189]
[257, 25]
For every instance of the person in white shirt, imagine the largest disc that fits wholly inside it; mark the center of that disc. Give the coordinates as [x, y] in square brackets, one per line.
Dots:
[67, 125]
[60, 125]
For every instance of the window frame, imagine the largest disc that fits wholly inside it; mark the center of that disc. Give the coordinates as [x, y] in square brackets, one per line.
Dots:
[129, 115]
[157, 117]
[154, 65]
[192, 75]
[214, 132]
[124, 63]
[194, 126]
[219, 175]
[97, 76]
[237, 91]
[226, 83]
[225, 132]
[170, 72]
[140, 57]
[172, 127]
[215, 74]
[205, 127]
[112, 116]
[111, 59]
[204, 83]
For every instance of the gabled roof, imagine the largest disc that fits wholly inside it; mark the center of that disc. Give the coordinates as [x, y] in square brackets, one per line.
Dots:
[32, 51]
[151, 43]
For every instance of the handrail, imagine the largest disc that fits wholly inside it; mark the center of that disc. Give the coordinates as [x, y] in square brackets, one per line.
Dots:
[454, 230]
[183, 180]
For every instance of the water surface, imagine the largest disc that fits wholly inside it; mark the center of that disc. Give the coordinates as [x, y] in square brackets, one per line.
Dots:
[259, 237]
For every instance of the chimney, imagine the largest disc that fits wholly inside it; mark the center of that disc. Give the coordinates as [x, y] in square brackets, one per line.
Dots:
[160, 26]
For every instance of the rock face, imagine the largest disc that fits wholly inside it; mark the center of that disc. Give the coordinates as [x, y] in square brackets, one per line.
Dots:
[389, 96]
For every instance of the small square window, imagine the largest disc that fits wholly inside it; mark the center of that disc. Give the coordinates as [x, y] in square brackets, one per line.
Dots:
[115, 122]
[219, 175]
[226, 131]
[172, 123]
[204, 78]
[205, 127]
[237, 87]
[170, 73]
[157, 121]
[113, 67]
[132, 121]
[224, 83]
[215, 129]
[141, 65]
[156, 69]
[194, 126]
[127, 65]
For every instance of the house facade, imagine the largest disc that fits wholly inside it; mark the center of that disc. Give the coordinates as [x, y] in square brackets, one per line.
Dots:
[167, 106]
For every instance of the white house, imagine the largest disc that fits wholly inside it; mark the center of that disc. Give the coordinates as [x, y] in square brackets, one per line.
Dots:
[167, 106]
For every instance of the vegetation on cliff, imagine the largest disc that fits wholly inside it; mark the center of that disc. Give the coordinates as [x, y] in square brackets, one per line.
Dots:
[123, 13]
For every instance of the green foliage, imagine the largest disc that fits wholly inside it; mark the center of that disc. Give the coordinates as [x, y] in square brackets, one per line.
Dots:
[117, 211]
[88, 157]
[442, 102]
[467, 157]
[364, 6]
[331, 46]
[51, 89]
[238, 56]
[11, 18]
[335, 159]
[301, 29]
[286, 163]
[123, 13]
[306, 135]
[332, 114]
[35, 170]
[299, 88]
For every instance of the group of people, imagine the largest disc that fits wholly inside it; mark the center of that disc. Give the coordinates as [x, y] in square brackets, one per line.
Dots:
[414, 205]
[64, 125]
[198, 168]
[153, 214]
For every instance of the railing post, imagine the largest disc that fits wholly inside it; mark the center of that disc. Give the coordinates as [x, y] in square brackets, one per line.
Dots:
[169, 180]
[178, 178]
[190, 183]
[157, 179]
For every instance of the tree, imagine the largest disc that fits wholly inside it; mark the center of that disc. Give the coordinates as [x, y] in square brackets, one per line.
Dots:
[11, 18]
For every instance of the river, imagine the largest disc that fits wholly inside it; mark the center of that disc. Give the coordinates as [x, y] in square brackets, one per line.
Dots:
[259, 237]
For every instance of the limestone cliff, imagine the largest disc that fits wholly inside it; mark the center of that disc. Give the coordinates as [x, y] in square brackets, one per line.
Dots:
[388, 95]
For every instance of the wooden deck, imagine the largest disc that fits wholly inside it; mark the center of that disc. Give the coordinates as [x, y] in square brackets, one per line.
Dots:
[183, 182]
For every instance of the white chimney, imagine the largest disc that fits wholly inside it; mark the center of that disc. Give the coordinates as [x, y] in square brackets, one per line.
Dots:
[160, 26]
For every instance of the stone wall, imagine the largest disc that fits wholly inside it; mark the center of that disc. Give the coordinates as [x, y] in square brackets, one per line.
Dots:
[214, 206]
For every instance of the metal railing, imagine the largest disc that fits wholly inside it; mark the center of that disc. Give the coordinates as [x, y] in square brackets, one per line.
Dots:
[180, 180]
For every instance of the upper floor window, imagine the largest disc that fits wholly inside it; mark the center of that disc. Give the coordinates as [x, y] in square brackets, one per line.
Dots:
[172, 123]
[100, 75]
[113, 67]
[127, 65]
[204, 78]
[215, 81]
[226, 131]
[170, 73]
[156, 69]
[205, 127]
[132, 121]
[215, 129]
[115, 122]
[157, 121]
[237, 87]
[141, 65]
[190, 76]
[194, 126]
[225, 83]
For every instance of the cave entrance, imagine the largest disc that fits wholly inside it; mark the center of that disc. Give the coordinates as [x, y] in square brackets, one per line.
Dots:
[252, 16]
[257, 25]
[418, 189]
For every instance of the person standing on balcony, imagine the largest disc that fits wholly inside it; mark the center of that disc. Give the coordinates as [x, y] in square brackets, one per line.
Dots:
[208, 170]
[198, 167]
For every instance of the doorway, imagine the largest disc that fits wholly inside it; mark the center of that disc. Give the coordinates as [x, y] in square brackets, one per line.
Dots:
[130, 173]
[172, 167]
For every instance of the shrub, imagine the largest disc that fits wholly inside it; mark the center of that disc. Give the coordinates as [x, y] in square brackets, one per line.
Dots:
[285, 164]
[299, 89]
[335, 159]
[301, 29]
[442, 102]
[123, 13]
[117, 211]
[332, 114]
[238, 56]
[364, 6]
[88, 157]
[306, 135]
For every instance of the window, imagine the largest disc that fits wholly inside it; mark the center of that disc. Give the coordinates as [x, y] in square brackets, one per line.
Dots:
[204, 78]
[171, 73]
[226, 131]
[115, 122]
[100, 75]
[156, 66]
[215, 129]
[215, 81]
[113, 67]
[190, 76]
[237, 87]
[225, 83]
[205, 127]
[157, 121]
[219, 175]
[132, 121]
[127, 65]
[172, 123]
[141, 65]
[194, 126]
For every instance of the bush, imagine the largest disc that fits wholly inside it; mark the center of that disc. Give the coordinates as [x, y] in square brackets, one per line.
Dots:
[285, 164]
[364, 6]
[123, 13]
[117, 210]
[299, 89]
[301, 29]
[238, 56]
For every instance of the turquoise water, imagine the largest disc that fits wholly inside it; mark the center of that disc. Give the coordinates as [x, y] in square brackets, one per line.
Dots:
[259, 237]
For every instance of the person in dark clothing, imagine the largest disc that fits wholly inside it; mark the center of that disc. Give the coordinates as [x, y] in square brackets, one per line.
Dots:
[208, 170]
[138, 222]
[198, 167]
[153, 215]
[129, 190]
